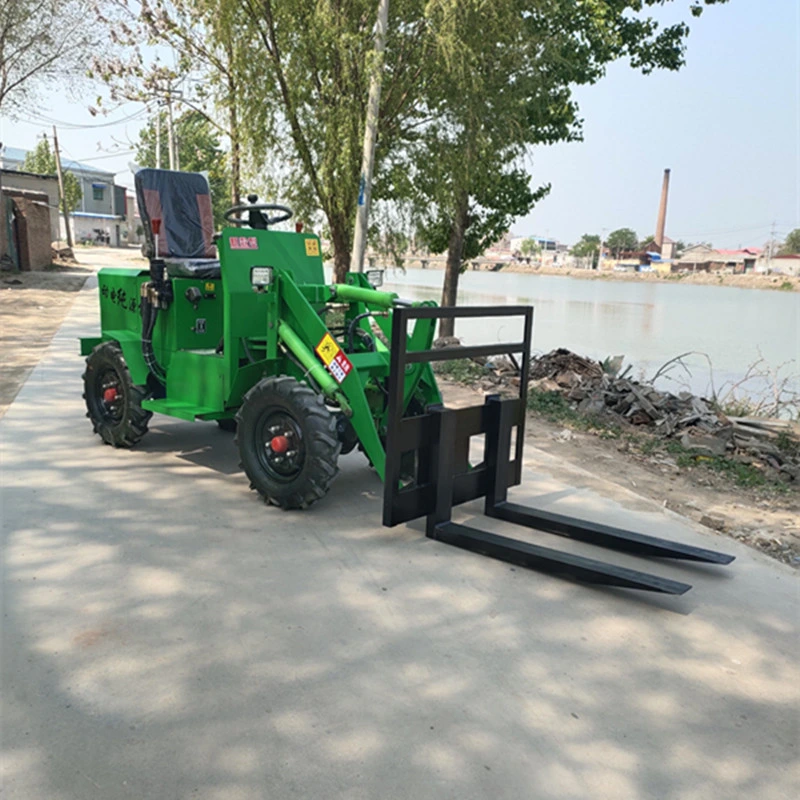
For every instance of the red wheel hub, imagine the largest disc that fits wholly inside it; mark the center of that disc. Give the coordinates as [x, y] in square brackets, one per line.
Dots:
[279, 444]
[110, 395]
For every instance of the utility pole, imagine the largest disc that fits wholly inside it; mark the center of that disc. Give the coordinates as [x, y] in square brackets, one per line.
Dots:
[61, 188]
[170, 130]
[769, 248]
[158, 134]
[370, 135]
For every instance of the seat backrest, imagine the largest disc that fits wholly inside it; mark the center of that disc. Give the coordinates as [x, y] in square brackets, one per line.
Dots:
[182, 201]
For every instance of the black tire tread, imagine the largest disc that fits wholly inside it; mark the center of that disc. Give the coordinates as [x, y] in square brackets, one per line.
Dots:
[133, 425]
[323, 445]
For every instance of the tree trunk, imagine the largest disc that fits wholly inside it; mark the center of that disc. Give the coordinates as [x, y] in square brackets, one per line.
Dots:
[452, 270]
[341, 240]
[236, 158]
[233, 123]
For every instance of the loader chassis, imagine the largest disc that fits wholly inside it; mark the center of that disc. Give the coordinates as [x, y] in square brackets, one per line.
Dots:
[219, 337]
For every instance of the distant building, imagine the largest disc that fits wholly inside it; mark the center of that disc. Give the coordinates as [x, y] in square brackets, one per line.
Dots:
[28, 219]
[101, 214]
[11, 179]
[666, 250]
[778, 265]
[544, 242]
[702, 258]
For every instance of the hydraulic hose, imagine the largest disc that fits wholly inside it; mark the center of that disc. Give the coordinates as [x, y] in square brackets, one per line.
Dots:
[351, 328]
[149, 315]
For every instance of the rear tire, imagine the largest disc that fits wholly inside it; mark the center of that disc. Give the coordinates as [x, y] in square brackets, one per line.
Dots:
[287, 442]
[113, 402]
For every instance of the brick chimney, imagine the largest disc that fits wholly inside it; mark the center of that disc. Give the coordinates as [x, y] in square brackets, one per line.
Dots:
[662, 212]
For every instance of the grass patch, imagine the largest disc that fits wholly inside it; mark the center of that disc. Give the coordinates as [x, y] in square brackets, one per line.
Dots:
[786, 286]
[736, 408]
[461, 370]
[741, 474]
[738, 472]
[554, 407]
[648, 446]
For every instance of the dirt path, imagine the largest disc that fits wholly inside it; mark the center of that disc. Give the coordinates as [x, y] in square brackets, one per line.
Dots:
[33, 306]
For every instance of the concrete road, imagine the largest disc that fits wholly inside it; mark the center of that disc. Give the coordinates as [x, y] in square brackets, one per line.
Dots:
[166, 635]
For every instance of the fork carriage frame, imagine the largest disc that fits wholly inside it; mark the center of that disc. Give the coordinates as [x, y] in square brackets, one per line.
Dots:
[440, 439]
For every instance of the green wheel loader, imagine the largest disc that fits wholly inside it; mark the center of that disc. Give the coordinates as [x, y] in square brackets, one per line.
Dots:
[304, 371]
[254, 340]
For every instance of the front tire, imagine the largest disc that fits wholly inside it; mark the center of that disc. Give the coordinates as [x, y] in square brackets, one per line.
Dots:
[113, 402]
[287, 442]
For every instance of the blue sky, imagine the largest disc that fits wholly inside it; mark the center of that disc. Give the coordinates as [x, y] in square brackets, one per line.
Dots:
[727, 125]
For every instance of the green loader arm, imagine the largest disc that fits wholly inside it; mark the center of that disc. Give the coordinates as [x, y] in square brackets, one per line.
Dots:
[301, 332]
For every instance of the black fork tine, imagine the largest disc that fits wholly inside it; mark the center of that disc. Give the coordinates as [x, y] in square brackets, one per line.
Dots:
[603, 535]
[543, 559]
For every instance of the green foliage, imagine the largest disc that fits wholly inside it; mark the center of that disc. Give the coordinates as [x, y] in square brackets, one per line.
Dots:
[786, 286]
[736, 407]
[587, 247]
[497, 198]
[530, 247]
[199, 150]
[621, 240]
[42, 42]
[792, 244]
[468, 87]
[43, 162]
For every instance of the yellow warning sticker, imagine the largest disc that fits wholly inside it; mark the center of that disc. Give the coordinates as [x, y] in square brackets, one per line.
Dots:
[210, 287]
[327, 349]
[312, 247]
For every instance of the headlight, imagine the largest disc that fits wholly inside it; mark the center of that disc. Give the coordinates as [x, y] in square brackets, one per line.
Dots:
[375, 277]
[261, 276]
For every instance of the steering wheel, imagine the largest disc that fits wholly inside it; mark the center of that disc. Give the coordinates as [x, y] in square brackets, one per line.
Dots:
[255, 216]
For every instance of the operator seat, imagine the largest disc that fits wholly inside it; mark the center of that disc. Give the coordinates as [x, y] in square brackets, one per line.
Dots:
[182, 201]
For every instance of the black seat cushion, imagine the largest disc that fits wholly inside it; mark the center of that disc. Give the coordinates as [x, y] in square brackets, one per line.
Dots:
[205, 268]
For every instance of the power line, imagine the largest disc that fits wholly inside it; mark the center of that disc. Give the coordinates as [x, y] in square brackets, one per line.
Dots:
[35, 118]
[766, 226]
[107, 155]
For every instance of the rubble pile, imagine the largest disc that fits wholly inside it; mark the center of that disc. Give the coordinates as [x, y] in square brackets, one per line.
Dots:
[62, 255]
[596, 389]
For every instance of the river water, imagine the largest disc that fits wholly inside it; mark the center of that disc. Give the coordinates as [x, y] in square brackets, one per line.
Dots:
[647, 322]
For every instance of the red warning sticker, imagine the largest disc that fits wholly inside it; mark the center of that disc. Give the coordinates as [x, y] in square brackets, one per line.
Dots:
[340, 366]
[244, 243]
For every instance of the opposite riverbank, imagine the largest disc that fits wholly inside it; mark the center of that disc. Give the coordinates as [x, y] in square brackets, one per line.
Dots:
[784, 283]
